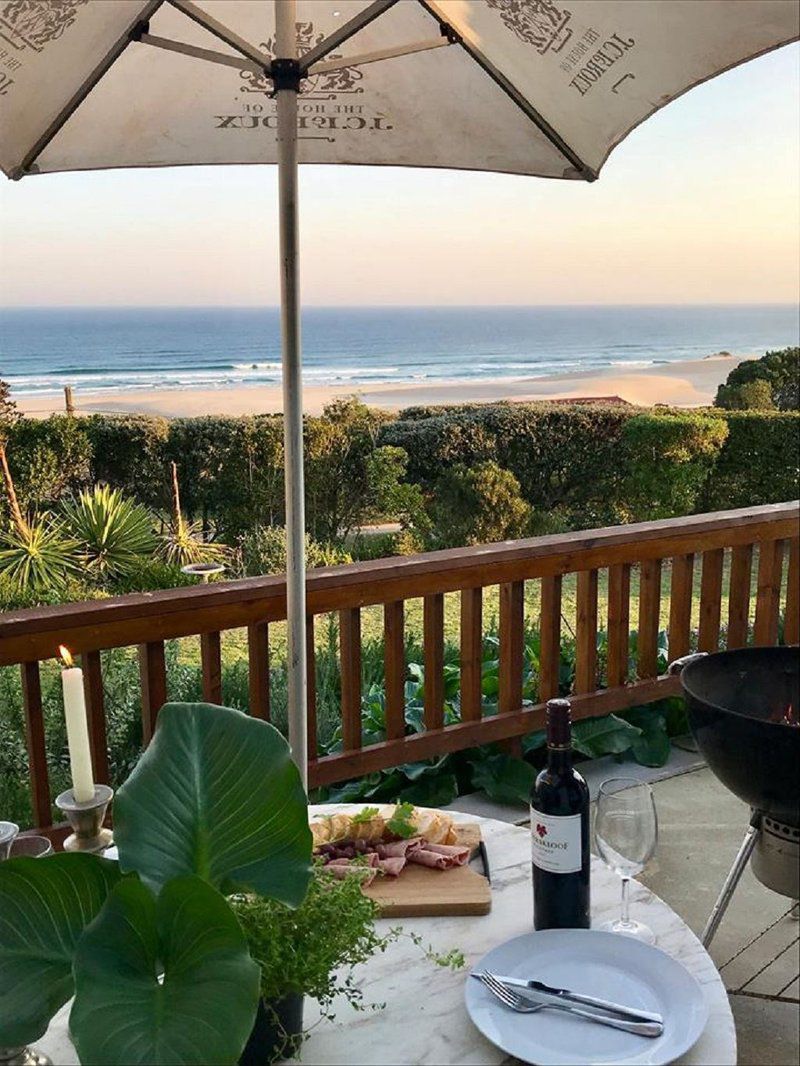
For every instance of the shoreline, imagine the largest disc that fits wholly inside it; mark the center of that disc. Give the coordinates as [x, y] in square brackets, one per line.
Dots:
[689, 383]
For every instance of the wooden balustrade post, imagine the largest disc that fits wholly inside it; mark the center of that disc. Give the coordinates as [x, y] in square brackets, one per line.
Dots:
[211, 659]
[550, 638]
[350, 658]
[711, 599]
[586, 633]
[739, 596]
[471, 654]
[649, 618]
[768, 598]
[258, 669]
[96, 714]
[619, 602]
[312, 739]
[791, 621]
[395, 668]
[680, 606]
[153, 677]
[36, 744]
[433, 658]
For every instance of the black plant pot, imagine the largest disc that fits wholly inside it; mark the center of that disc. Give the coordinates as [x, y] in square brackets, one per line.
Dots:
[277, 1032]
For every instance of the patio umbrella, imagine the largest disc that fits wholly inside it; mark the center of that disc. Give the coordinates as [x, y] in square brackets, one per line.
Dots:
[538, 87]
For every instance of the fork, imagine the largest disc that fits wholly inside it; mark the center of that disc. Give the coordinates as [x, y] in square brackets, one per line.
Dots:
[517, 1003]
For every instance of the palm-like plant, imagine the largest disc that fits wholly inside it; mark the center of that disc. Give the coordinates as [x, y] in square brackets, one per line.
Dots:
[183, 542]
[34, 555]
[115, 532]
[38, 556]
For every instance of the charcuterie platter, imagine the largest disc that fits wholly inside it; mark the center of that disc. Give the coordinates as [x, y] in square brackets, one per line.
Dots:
[412, 861]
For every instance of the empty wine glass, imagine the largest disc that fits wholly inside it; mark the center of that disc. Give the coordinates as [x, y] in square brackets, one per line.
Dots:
[626, 832]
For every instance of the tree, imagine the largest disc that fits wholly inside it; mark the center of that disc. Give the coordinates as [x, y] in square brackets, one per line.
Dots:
[8, 411]
[478, 505]
[753, 395]
[781, 372]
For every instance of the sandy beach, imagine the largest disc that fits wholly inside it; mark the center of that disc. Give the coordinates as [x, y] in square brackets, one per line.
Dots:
[683, 384]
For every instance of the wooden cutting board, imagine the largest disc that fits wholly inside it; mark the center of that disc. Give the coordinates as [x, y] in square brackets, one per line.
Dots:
[420, 891]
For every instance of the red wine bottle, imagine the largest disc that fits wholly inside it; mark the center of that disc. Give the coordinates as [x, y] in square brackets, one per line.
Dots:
[560, 832]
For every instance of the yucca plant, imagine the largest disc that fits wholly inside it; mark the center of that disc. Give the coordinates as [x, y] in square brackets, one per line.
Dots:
[183, 542]
[35, 555]
[114, 532]
[39, 557]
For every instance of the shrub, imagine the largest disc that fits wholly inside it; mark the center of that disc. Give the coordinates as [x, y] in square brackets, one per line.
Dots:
[49, 459]
[667, 462]
[349, 478]
[759, 462]
[749, 396]
[149, 575]
[263, 551]
[478, 505]
[114, 533]
[129, 452]
[779, 369]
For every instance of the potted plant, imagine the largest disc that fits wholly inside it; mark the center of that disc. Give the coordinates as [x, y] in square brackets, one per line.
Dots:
[149, 945]
[295, 961]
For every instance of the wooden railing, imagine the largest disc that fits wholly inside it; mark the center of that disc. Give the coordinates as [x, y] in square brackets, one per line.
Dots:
[147, 620]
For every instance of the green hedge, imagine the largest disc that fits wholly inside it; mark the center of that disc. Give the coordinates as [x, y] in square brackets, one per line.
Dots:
[576, 466]
[759, 462]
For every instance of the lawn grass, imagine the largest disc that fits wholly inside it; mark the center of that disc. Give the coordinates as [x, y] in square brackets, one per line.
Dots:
[234, 642]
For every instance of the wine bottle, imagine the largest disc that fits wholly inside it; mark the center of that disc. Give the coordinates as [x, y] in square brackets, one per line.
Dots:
[560, 832]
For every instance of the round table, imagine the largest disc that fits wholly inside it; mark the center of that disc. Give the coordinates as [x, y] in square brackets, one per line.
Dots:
[425, 1021]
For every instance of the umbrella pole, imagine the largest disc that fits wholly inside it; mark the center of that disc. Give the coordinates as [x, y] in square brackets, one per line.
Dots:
[287, 87]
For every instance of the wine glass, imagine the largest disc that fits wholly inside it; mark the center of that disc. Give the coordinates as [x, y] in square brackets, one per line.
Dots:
[626, 832]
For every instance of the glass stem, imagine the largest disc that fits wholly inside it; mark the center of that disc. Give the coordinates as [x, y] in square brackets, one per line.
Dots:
[625, 901]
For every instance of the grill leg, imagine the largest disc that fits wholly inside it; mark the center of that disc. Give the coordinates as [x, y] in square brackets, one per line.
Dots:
[732, 880]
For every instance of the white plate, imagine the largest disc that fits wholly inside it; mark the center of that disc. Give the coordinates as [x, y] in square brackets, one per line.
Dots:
[607, 965]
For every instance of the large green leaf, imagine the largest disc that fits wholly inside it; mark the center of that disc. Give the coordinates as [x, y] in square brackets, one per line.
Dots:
[609, 735]
[45, 904]
[503, 778]
[216, 794]
[203, 1009]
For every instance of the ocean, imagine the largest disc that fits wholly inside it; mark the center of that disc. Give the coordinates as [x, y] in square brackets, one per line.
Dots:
[113, 349]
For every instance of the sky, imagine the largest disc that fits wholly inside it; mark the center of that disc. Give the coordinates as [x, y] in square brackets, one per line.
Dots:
[698, 205]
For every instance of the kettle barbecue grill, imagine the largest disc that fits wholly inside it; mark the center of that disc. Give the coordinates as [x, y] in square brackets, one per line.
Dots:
[743, 711]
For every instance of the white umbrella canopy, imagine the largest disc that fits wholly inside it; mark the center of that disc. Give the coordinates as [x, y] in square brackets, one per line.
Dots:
[539, 87]
[544, 87]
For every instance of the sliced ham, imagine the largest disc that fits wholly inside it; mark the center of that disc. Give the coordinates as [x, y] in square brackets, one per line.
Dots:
[398, 848]
[424, 857]
[392, 865]
[457, 852]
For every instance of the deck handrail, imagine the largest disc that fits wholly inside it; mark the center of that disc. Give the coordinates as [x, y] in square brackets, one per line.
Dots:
[29, 634]
[146, 620]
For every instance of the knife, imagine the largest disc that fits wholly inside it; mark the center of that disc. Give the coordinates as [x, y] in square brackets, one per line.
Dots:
[563, 995]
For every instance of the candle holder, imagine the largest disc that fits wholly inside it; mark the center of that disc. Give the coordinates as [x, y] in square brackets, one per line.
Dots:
[86, 820]
[8, 834]
[23, 1056]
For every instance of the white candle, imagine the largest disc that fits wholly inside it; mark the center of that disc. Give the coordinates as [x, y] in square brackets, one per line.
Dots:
[80, 755]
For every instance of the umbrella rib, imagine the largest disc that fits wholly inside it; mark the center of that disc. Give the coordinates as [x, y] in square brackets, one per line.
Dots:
[344, 32]
[239, 62]
[83, 91]
[208, 22]
[375, 57]
[511, 91]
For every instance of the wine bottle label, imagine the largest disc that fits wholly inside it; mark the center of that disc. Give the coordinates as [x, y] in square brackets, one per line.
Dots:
[556, 842]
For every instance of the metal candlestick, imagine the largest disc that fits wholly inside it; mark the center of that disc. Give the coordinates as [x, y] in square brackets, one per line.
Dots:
[86, 820]
[8, 834]
[23, 1056]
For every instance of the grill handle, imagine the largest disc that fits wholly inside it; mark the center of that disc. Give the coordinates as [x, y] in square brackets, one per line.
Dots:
[677, 665]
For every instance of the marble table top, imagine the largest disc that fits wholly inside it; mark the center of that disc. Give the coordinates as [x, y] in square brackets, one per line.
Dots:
[425, 1020]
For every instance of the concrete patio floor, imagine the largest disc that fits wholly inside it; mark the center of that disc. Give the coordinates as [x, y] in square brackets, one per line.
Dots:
[701, 825]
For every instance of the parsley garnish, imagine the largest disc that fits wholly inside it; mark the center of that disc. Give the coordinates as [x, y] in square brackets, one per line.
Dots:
[400, 823]
[364, 816]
